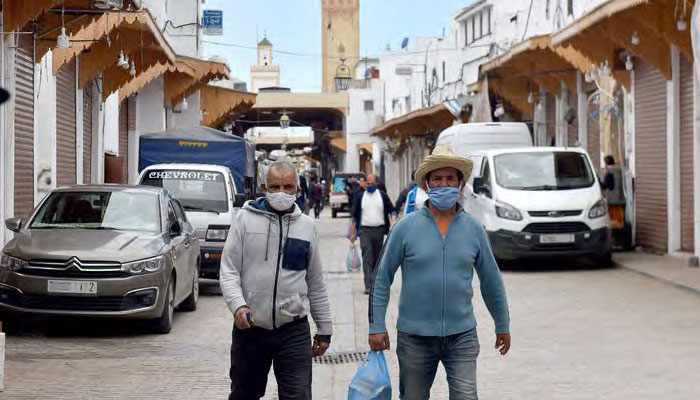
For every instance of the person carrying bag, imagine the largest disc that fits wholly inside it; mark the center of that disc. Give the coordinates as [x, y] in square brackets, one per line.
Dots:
[372, 380]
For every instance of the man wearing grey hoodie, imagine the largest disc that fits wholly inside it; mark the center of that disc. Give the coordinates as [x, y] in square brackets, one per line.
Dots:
[272, 279]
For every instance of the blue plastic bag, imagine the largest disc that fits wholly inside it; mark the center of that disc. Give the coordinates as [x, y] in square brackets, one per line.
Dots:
[372, 381]
[353, 262]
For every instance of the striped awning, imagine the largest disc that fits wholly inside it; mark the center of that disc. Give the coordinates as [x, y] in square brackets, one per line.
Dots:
[217, 103]
[189, 75]
[417, 123]
[605, 32]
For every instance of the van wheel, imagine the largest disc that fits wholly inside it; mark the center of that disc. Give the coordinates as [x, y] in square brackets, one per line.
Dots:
[603, 260]
[164, 323]
[190, 303]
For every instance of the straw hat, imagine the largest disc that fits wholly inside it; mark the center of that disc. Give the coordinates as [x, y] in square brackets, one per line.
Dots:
[442, 157]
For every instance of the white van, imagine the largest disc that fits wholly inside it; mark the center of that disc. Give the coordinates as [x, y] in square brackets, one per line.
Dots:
[210, 198]
[467, 139]
[539, 202]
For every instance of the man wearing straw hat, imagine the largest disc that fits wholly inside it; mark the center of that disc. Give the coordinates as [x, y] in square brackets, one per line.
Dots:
[438, 248]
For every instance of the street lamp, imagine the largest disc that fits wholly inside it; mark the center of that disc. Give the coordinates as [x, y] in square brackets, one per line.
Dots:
[342, 76]
[285, 121]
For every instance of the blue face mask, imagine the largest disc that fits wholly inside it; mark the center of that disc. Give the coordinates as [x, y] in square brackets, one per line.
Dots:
[443, 198]
[371, 188]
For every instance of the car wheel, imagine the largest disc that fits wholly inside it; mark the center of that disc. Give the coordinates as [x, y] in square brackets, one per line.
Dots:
[10, 323]
[334, 213]
[190, 303]
[164, 323]
[604, 260]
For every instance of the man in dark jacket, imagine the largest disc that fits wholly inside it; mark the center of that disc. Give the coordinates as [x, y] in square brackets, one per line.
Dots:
[372, 215]
[404, 193]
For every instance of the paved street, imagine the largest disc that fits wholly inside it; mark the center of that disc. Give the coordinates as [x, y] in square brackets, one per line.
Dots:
[577, 334]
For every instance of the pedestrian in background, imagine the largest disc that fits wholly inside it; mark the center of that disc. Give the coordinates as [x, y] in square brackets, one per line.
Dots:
[317, 198]
[614, 193]
[401, 200]
[438, 249]
[305, 192]
[271, 279]
[372, 215]
[351, 187]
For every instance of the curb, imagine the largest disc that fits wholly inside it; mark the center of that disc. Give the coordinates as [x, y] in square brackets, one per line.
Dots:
[669, 282]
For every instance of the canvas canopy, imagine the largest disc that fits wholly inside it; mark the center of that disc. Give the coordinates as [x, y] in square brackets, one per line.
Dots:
[199, 145]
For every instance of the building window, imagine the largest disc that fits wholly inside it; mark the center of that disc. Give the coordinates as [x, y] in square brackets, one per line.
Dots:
[481, 25]
[570, 7]
[444, 72]
[547, 6]
[408, 103]
[466, 33]
[369, 105]
[473, 21]
[488, 19]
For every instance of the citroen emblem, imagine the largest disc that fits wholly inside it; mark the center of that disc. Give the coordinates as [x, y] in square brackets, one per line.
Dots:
[73, 264]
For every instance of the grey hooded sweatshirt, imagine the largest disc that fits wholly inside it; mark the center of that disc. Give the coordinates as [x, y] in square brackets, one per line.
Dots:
[272, 264]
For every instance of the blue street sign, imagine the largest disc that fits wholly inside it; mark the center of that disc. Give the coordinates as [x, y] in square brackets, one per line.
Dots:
[213, 22]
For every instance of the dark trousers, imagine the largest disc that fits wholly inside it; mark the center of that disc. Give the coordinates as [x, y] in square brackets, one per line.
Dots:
[254, 350]
[371, 242]
[318, 206]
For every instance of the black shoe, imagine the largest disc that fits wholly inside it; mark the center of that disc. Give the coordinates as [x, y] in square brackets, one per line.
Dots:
[366, 291]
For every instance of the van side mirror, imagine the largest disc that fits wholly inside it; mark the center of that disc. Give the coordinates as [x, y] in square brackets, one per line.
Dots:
[175, 229]
[481, 187]
[238, 200]
[14, 224]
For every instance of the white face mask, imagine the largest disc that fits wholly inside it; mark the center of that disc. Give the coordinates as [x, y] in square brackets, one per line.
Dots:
[280, 201]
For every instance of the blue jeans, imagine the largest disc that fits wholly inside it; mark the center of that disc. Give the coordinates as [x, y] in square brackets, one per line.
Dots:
[418, 361]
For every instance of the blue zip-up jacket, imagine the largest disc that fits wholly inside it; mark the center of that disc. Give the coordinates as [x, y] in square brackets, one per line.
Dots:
[437, 272]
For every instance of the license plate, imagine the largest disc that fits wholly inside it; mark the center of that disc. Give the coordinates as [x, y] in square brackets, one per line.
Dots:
[75, 287]
[557, 239]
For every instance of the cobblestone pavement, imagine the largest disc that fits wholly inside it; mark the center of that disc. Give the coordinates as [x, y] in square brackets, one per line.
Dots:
[577, 334]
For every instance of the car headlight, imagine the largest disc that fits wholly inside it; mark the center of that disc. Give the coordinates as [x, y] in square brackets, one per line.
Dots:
[599, 209]
[507, 211]
[218, 235]
[12, 263]
[147, 266]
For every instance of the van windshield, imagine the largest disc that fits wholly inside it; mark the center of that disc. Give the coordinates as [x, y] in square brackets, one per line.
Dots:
[203, 191]
[559, 170]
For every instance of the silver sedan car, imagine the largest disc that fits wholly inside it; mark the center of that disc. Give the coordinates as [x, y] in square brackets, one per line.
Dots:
[104, 251]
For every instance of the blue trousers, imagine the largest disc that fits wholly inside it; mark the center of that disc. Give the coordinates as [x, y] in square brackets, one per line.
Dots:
[419, 357]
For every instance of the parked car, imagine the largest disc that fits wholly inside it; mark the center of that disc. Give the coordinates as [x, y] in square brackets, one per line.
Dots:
[338, 194]
[539, 202]
[209, 195]
[103, 251]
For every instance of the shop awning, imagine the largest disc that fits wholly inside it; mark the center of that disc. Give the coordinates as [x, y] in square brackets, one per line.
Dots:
[189, 75]
[368, 147]
[17, 13]
[142, 79]
[217, 102]
[99, 38]
[416, 123]
[340, 144]
[605, 34]
[538, 61]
